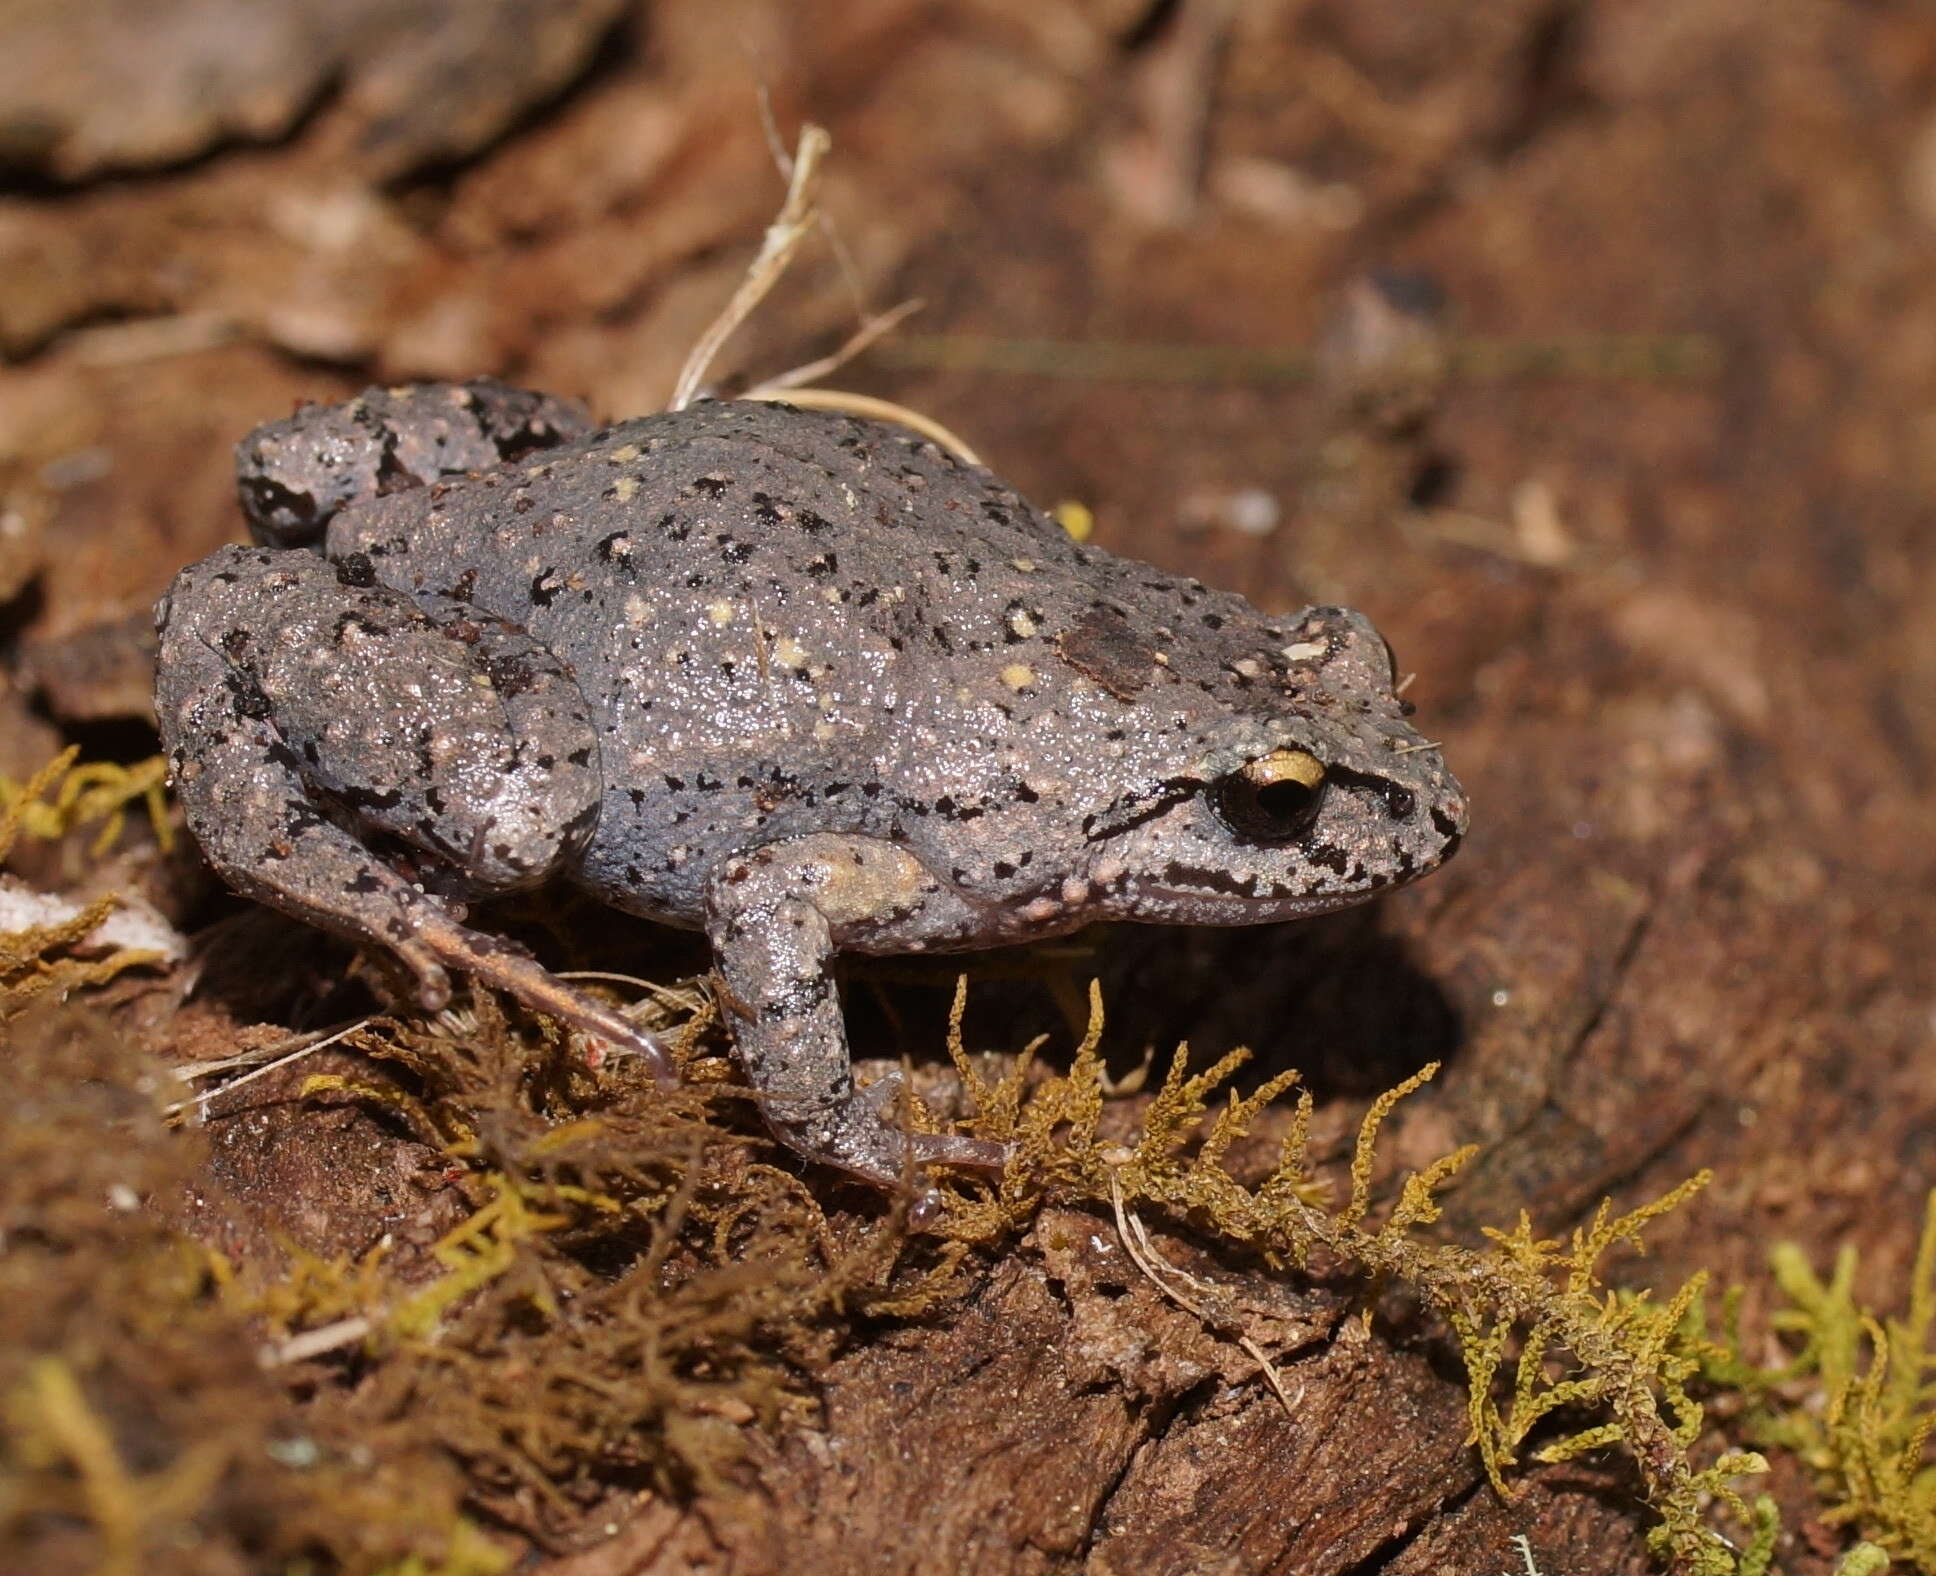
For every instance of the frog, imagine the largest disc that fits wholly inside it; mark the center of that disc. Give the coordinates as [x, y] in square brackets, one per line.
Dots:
[806, 682]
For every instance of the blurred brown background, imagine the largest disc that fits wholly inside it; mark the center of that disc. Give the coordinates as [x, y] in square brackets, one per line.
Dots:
[1590, 348]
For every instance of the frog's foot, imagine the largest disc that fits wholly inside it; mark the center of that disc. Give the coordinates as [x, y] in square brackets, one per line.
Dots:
[775, 919]
[937, 1149]
[857, 1134]
[506, 966]
[962, 1151]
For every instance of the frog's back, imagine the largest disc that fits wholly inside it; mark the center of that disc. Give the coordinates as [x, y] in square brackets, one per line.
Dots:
[825, 521]
[790, 621]
[782, 619]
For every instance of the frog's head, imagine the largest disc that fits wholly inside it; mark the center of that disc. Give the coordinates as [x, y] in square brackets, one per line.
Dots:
[1307, 791]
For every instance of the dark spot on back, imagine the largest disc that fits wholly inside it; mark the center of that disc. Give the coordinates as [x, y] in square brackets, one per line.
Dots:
[1102, 646]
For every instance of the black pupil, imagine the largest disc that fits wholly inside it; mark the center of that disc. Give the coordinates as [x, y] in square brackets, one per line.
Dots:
[1285, 801]
[1269, 812]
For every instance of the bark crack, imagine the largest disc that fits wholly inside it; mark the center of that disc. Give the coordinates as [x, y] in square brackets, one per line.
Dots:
[1382, 1557]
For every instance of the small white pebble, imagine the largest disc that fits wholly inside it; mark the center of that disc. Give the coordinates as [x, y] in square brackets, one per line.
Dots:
[1251, 511]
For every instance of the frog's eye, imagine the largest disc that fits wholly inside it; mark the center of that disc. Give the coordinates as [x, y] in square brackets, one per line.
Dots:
[1274, 799]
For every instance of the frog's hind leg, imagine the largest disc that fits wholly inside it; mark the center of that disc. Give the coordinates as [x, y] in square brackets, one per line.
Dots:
[304, 708]
[775, 918]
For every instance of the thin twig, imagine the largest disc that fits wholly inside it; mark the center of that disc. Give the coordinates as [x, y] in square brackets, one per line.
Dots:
[844, 261]
[783, 238]
[200, 1069]
[672, 996]
[783, 162]
[770, 129]
[188, 1071]
[1137, 1243]
[314, 1343]
[870, 330]
[878, 409]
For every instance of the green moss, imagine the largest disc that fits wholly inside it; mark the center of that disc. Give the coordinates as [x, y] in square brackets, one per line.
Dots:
[141, 1436]
[1542, 1337]
[65, 796]
[36, 960]
[1855, 1402]
[704, 1285]
[631, 1285]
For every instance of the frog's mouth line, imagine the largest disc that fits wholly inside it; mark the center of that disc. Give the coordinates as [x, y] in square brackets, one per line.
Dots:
[1181, 880]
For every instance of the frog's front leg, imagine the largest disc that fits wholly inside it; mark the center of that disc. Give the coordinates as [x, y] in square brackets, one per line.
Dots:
[304, 707]
[775, 918]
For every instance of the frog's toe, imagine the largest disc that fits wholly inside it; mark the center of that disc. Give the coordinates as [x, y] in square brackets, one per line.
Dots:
[507, 967]
[433, 979]
[883, 1095]
[611, 1031]
[958, 1149]
[858, 1137]
[642, 1043]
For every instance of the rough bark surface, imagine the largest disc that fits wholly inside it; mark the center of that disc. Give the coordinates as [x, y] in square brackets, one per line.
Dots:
[1671, 604]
